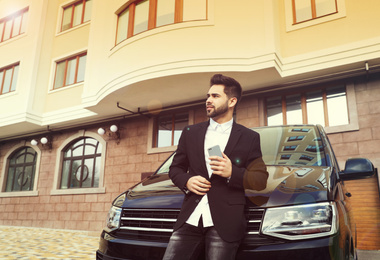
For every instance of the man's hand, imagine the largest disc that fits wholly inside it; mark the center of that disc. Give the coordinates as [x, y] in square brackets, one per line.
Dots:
[221, 166]
[198, 184]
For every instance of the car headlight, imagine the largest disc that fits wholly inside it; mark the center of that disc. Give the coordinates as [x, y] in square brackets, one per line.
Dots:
[113, 219]
[301, 222]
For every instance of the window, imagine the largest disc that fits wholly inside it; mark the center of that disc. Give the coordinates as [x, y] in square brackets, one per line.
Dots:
[21, 170]
[8, 79]
[168, 129]
[70, 71]
[13, 25]
[327, 107]
[75, 14]
[143, 15]
[304, 10]
[81, 164]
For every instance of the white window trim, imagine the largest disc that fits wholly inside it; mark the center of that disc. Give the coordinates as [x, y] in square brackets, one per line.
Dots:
[353, 119]
[31, 193]
[58, 166]
[60, 16]
[289, 16]
[53, 68]
[151, 149]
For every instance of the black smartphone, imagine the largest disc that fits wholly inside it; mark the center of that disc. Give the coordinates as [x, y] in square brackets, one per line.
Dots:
[215, 151]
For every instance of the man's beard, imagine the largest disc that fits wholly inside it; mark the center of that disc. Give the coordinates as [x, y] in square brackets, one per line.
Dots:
[216, 112]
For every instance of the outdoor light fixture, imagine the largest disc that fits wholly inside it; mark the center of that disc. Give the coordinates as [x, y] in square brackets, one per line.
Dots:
[45, 142]
[113, 132]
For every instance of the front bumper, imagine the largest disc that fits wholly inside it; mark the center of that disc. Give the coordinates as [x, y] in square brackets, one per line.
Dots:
[112, 248]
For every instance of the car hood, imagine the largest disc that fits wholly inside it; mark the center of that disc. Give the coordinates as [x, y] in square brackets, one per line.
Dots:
[286, 185]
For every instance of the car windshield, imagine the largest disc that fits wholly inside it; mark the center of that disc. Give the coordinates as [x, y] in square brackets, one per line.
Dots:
[292, 145]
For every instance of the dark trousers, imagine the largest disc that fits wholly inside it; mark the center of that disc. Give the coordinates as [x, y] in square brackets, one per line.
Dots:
[188, 242]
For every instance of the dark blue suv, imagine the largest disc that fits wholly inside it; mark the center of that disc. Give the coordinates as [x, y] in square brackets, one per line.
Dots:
[301, 214]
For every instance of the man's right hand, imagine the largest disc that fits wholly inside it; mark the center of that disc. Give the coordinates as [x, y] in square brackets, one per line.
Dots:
[198, 184]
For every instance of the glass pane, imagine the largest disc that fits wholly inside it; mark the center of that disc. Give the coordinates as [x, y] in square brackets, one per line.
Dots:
[87, 11]
[97, 172]
[164, 137]
[60, 74]
[24, 22]
[1, 80]
[303, 10]
[66, 21]
[65, 174]
[78, 151]
[25, 181]
[181, 121]
[10, 178]
[70, 76]
[7, 30]
[77, 18]
[141, 17]
[87, 173]
[293, 110]
[15, 76]
[122, 26]
[165, 12]
[274, 111]
[7, 80]
[89, 149]
[194, 10]
[325, 7]
[16, 26]
[76, 174]
[337, 106]
[315, 111]
[18, 179]
[81, 68]
[1, 30]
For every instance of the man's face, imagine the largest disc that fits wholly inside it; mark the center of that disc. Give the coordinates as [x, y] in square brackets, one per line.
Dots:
[217, 101]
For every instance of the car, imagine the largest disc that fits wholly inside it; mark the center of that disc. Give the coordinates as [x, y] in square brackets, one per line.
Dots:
[302, 213]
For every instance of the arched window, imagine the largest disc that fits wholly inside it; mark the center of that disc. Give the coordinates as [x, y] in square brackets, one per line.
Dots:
[81, 164]
[21, 170]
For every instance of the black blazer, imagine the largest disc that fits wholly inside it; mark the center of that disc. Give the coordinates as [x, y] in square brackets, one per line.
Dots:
[226, 198]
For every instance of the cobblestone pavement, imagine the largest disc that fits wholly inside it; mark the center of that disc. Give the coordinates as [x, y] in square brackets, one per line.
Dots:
[41, 243]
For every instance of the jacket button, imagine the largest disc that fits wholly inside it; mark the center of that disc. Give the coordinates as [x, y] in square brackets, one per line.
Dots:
[197, 201]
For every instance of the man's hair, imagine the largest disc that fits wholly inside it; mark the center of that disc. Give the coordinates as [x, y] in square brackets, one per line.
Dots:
[232, 88]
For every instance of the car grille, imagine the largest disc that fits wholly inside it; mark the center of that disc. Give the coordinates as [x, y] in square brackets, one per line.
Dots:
[157, 224]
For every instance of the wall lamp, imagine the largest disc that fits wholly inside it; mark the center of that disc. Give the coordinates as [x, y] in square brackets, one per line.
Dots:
[113, 132]
[45, 141]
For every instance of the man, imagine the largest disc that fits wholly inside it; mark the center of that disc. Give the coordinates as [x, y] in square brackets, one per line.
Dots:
[212, 214]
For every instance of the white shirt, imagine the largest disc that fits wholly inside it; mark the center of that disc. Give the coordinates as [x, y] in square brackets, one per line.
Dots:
[217, 134]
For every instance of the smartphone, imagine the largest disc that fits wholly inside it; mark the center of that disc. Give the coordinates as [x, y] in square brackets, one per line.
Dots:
[215, 151]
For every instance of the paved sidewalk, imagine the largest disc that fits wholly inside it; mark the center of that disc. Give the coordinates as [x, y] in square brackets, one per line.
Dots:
[41, 243]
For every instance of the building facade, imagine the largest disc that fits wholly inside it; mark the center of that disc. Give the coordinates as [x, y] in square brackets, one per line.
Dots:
[94, 94]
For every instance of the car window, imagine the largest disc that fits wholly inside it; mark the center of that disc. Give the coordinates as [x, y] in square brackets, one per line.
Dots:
[292, 145]
[164, 169]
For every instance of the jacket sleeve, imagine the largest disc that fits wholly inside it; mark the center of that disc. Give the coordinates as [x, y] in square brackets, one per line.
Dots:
[251, 166]
[178, 171]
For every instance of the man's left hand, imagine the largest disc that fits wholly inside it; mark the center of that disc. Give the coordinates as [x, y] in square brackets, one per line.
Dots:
[221, 166]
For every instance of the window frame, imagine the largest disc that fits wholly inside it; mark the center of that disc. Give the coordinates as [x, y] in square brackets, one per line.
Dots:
[353, 121]
[12, 18]
[4, 173]
[2, 80]
[66, 60]
[73, 5]
[58, 166]
[153, 132]
[152, 17]
[290, 16]
[313, 11]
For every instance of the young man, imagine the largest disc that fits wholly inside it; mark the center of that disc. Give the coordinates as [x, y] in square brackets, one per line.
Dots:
[212, 214]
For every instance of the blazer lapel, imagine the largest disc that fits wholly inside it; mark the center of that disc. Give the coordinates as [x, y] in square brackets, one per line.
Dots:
[233, 140]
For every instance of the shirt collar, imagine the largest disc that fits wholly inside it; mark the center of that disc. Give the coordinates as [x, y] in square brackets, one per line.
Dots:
[224, 126]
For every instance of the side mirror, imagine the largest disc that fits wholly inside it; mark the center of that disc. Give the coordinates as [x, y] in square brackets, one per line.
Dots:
[357, 168]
